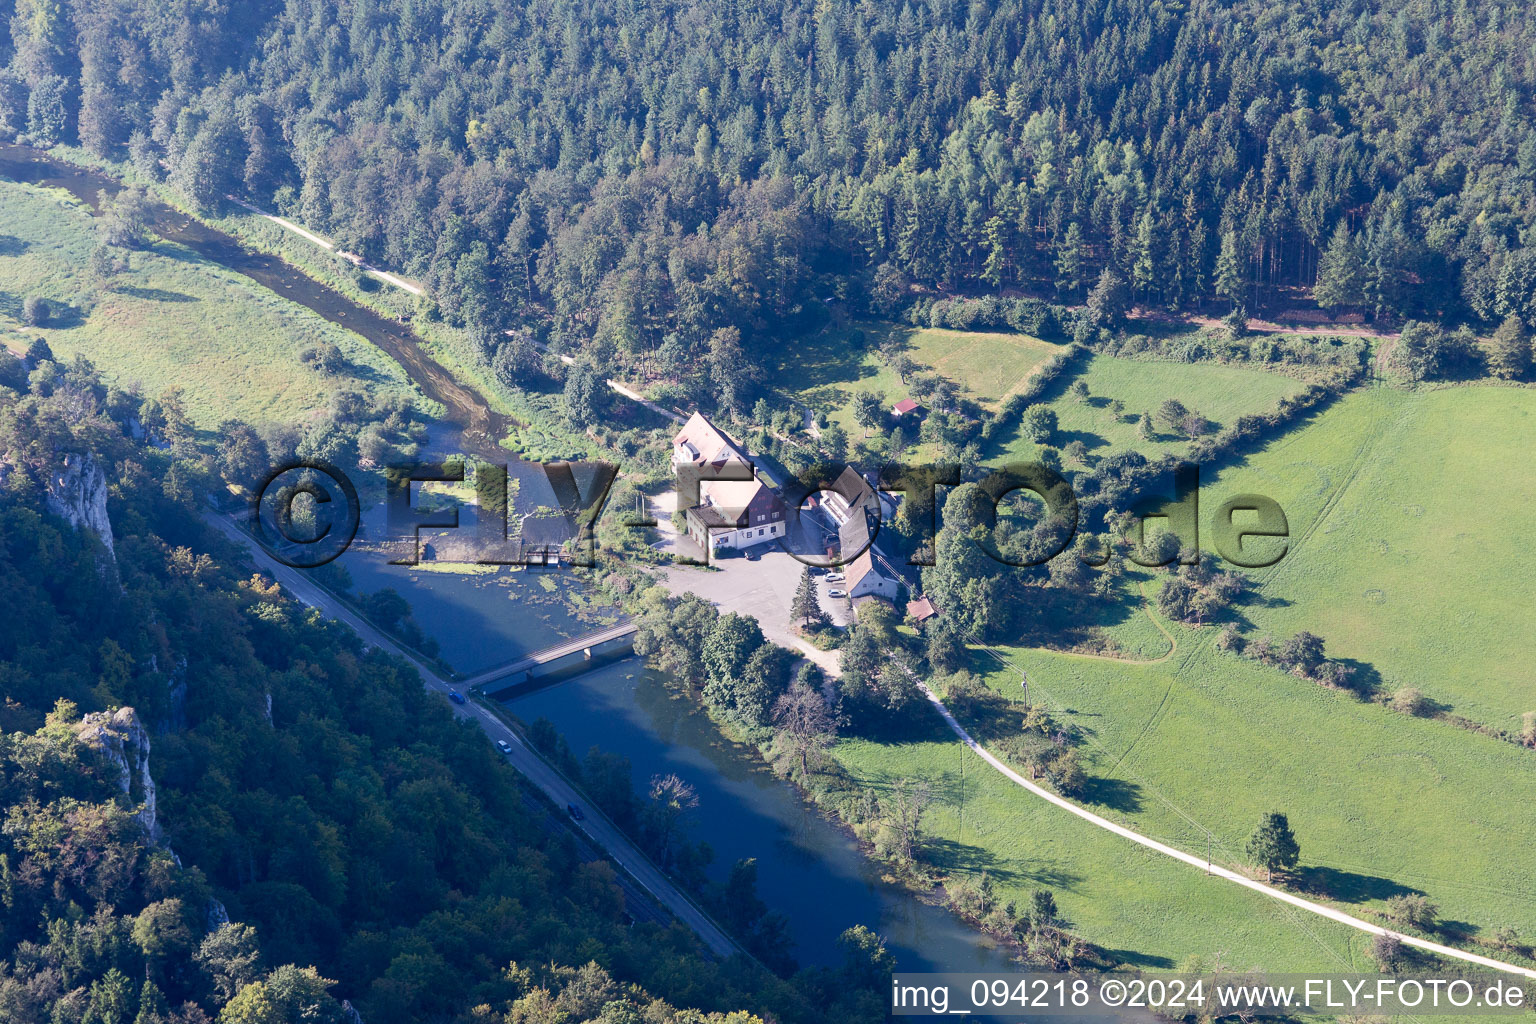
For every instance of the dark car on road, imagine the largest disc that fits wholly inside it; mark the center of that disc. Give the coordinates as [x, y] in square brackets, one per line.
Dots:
[456, 696]
[575, 812]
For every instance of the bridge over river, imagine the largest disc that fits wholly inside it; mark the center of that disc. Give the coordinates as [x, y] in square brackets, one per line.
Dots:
[583, 644]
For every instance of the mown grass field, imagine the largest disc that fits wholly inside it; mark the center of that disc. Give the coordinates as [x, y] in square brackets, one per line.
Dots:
[1382, 803]
[172, 320]
[825, 373]
[1146, 909]
[1415, 556]
[1220, 393]
[1408, 557]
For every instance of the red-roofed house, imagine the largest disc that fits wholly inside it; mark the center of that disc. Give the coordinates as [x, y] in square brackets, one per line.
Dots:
[903, 408]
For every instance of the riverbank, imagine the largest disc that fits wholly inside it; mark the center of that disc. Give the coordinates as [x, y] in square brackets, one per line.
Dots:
[514, 420]
[168, 319]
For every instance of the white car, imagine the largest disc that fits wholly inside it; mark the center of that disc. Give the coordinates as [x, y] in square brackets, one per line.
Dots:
[835, 592]
[835, 577]
[504, 746]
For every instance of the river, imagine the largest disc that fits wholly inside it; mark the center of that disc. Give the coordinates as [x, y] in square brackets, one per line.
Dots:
[808, 869]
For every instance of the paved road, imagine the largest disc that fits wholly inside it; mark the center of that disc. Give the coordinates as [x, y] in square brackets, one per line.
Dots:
[1221, 872]
[595, 825]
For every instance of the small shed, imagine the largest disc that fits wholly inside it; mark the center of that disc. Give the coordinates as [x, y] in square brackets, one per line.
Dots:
[921, 609]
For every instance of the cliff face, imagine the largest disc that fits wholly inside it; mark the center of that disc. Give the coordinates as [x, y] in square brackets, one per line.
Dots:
[124, 741]
[77, 493]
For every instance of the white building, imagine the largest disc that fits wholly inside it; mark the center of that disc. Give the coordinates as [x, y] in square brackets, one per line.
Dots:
[730, 513]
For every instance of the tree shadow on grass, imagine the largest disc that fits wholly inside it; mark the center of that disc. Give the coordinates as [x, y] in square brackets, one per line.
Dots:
[1458, 930]
[1116, 794]
[10, 245]
[919, 725]
[154, 294]
[1090, 440]
[62, 317]
[1250, 599]
[1138, 959]
[990, 719]
[1364, 679]
[1346, 886]
[949, 855]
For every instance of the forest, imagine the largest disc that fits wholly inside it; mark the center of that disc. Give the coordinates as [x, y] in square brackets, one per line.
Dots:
[671, 186]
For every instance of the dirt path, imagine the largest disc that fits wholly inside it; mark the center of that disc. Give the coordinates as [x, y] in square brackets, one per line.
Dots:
[1262, 326]
[1210, 868]
[1146, 606]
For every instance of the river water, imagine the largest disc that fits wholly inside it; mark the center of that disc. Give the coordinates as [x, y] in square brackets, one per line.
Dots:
[808, 870]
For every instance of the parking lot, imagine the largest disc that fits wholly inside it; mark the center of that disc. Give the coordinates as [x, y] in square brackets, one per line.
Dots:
[763, 588]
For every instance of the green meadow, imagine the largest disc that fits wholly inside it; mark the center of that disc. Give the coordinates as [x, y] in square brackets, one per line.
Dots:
[171, 320]
[1402, 557]
[1220, 393]
[825, 373]
[1147, 909]
[1195, 749]
[1408, 550]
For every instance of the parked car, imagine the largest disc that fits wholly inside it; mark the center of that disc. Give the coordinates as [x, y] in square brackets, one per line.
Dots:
[575, 812]
[835, 577]
[456, 696]
[835, 592]
[504, 746]
[753, 556]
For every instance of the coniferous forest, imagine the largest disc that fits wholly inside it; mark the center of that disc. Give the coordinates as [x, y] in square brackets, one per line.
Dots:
[666, 182]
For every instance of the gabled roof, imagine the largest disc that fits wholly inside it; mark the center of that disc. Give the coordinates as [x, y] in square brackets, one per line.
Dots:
[856, 532]
[851, 486]
[921, 609]
[904, 406]
[709, 444]
[858, 569]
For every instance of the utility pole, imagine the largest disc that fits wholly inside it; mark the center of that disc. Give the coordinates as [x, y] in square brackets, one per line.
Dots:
[1024, 682]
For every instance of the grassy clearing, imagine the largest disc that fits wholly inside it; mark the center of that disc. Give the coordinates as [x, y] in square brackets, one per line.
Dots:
[539, 432]
[1220, 393]
[172, 320]
[825, 372]
[1382, 803]
[1147, 909]
[1413, 559]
